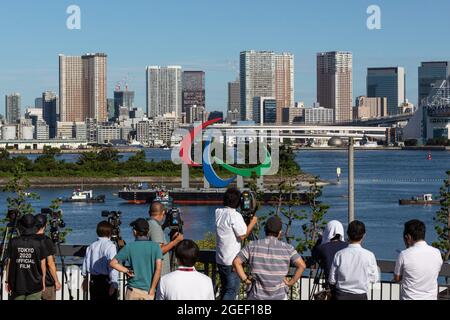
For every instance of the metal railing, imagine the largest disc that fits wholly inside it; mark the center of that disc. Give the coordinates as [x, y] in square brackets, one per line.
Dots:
[386, 289]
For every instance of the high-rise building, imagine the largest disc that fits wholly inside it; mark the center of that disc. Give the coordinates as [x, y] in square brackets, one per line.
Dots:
[257, 79]
[195, 113]
[110, 108]
[369, 108]
[49, 111]
[164, 91]
[123, 99]
[12, 108]
[389, 83]
[429, 74]
[234, 96]
[82, 87]
[264, 110]
[284, 82]
[193, 89]
[38, 102]
[335, 83]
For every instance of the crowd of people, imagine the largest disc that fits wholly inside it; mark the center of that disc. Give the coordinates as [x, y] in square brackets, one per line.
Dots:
[262, 266]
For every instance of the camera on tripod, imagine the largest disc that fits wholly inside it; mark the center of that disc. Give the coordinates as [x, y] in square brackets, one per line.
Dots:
[56, 223]
[174, 221]
[113, 217]
[249, 205]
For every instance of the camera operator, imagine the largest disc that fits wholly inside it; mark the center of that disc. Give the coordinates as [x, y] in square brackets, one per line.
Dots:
[231, 230]
[157, 218]
[26, 266]
[104, 279]
[52, 283]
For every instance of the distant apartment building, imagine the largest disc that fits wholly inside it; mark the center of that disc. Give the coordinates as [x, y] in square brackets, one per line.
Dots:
[123, 99]
[369, 108]
[233, 117]
[390, 83]
[13, 108]
[164, 91]
[71, 130]
[195, 113]
[234, 96]
[50, 106]
[193, 91]
[292, 115]
[264, 110]
[83, 87]
[284, 82]
[41, 130]
[335, 83]
[107, 133]
[314, 115]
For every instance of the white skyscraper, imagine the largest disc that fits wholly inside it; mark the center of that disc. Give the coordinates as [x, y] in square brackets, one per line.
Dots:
[164, 90]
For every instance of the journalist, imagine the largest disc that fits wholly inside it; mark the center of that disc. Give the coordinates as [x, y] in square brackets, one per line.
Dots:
[52, 283]
[269, 261]
[231, 230]
[103, 285]
[186, 283]
[145, 260]
[157, 217]
[26, 266]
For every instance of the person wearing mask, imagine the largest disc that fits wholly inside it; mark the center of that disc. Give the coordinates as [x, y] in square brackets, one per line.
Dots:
[269, 261]
[418, 267]
[354, 268]
[52, 283]
[332, 242]
[231, 230]
[104, 281]
[145, 260]
[27, 262]
[179, 284]
[156, 234]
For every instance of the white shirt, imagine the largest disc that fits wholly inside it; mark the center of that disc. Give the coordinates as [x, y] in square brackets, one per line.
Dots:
[354, 269]
[419, 267]
[185, 285]
[229, 226]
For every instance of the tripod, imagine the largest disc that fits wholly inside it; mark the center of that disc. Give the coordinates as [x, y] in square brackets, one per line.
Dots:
[316, 283]
[64, 272]
[11, 229]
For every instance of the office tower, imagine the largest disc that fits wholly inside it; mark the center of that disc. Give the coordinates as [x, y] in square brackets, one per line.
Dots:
[335, 83]
[429, 74]
[284, 82]
[389, 83]
[123, 99]
[369, 108]
[110, 108]
[49, 111]
[193, 89]
[82, 87]
[195, 114]
[38, 102]
[164, 91]
[234, 96]
[12, 108]
[264, 110]
[257, 79]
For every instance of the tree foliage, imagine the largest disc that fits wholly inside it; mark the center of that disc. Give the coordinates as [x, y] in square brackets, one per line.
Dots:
[442, 220]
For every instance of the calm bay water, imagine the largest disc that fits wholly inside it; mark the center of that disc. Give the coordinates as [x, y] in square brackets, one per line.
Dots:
[382, 178]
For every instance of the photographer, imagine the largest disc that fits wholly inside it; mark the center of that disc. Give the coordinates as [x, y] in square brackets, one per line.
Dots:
[26, 266]
[52, 283]
[104, 279]
[231, 230]
[157, 218]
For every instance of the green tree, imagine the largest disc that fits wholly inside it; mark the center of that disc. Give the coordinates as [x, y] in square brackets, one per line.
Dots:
[442, 220]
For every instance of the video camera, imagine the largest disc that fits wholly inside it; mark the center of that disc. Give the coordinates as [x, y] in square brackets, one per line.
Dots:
[174, 221]
[113, 217]
[249, 205]
[56, 222]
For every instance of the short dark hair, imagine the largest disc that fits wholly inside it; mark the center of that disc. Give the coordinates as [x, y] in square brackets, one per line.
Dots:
[232, 198]
[416, 229]
[187, 252]
[356, 230]
[104, 229]
[41, 221]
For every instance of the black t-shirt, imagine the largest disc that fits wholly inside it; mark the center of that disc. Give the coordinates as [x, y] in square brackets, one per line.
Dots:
[25, 274]
[325, 253]
[51, 251]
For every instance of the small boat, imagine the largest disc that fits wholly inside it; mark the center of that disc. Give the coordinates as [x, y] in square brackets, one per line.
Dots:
[84, 196]
[426, 199]
[429, 157]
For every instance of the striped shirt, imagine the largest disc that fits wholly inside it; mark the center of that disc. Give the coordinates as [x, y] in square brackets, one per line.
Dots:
[269, 261]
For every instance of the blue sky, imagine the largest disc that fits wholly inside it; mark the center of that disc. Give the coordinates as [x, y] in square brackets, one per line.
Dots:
[209, 34]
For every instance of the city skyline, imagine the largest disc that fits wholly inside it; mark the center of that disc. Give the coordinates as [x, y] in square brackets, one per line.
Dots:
[394, 45]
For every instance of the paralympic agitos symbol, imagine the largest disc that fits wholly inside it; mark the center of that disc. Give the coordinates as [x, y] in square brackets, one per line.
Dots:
[208, 160]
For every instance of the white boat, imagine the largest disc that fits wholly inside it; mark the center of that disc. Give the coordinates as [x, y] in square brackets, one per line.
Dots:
[84, 196]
